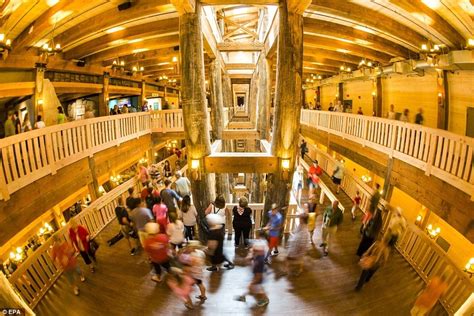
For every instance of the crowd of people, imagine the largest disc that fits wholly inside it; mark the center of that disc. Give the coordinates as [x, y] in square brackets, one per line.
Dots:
[163, 225]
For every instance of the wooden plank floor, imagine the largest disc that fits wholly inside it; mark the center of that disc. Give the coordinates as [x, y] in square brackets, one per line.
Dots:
[122, 285]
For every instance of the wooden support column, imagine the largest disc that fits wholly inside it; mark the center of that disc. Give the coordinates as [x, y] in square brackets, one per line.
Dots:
[104, 97]
[387, 184]
[252, 99]
[193, 98]
[288, 100]
[377, 97]
[217, 119]
[340, 93]
[318, 95]
[38, 96]
[94, 185]
[264, 98]
[142, 98]
[443, 99]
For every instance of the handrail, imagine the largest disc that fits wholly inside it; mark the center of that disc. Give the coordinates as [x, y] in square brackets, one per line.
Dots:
[420, 251]
[38, 272]
[29, 156]
[445, 155]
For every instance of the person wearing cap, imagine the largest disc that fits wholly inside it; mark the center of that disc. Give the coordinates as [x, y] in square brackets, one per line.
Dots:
[183, 185]
[242, 221]
[396, 227]
[257, 256]
[157, 249]
[275, 221]
[219, 208]
[332, 218]
[215, 243]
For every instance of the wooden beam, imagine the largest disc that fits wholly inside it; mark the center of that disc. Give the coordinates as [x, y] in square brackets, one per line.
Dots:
[77, 87]
[315, 41]
[114, 40]
[148, 57]
[313, 54]
[184, 6]
[321, 61]
[366, 17]
[239, 26]
[240, 76]
[240, 46]
[96, 25]
[240, 162]
[346, 33]
[298, 6]
[164, 42]
[251, 134]
[239, 66]
[15, 89]
[238, 29]
[443, 99]
[239, 2]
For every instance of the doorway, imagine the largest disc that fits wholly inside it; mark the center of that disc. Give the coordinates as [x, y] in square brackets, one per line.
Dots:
[470, 122]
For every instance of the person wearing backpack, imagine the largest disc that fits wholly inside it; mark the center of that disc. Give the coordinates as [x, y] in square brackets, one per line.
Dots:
[332, 218]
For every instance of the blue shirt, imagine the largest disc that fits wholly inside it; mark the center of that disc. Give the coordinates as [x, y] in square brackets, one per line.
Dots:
[274, 222]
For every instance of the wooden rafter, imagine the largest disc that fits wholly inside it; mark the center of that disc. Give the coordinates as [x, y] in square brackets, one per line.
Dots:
[243, 28]
[350, 11]
[151, 56]
[164, 42]
[315, 55]
[298, 6]
[239, 29]
[240, 66]
[240, 46]
[358, 37]
[184, 6]
[142, 31]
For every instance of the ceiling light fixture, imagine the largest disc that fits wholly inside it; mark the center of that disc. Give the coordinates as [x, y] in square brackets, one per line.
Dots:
[115, 29]
[5, 45]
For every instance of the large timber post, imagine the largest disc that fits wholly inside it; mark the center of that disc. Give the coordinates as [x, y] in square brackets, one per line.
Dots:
[288, 99]
[217, 119]
[264, 97]
[193, 97]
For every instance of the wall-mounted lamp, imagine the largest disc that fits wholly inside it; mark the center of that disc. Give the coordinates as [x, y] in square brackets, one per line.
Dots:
[101, 189]
[40, 102]
[433, 232]
[285, 169]
[469, 269]
[374, 93]
[195, 170]
[418, 220]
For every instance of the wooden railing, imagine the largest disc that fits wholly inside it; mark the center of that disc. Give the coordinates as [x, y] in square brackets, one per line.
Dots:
[38, 272]
[437, 152]
[26, 157]
[424, 255]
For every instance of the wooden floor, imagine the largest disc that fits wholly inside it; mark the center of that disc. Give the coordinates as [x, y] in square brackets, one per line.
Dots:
[122, 285]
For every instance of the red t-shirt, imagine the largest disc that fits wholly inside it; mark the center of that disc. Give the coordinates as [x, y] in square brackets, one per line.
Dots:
[144, 194]
[157, 248]
[314, 173]
[357, 200]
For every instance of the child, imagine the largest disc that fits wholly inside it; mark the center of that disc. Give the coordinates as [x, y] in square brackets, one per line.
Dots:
[298, 246]
[193, 260]
[355, 204]
[257, 255]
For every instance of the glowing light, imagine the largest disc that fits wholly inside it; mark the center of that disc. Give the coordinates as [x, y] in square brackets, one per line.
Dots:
[194, 164]
[19, 250]
[432, 4]
[58, 47]
[52, 3]
[115, 29]
[424, 47]
[470, 42]
[12, 255]
[139, 50]
[2, 37]
[175, 59]
[285, 164]
[374, 93]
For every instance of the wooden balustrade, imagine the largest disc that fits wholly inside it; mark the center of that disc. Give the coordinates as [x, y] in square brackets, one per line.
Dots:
[423, 254]
[26, 157]
[38, 272]
[440, 153]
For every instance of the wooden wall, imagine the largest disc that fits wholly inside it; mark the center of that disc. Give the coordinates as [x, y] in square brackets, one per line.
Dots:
[360, 92]
[461, 96]
[412, 92]
[328, 94]
[310, 97]
[34, 200]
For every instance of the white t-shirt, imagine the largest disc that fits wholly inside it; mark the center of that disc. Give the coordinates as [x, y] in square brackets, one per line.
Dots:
[176, 232]
[39, 124]
[189, 218]
[339, 171]
[218, 211]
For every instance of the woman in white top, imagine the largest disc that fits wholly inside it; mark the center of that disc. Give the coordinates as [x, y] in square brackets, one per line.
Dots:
[175, 231]
[39, 122]
[189, 214]
[26, 126]
[218, 207]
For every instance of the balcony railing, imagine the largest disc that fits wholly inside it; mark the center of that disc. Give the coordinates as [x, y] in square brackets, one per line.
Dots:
[26, 157]
[445, 155]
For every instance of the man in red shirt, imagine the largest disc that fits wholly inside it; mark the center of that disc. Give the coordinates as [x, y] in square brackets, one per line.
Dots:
[313, 176]
[156, 246]
[355, 204]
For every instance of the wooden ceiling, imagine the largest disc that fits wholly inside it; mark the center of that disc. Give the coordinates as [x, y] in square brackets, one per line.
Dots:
[336, 32]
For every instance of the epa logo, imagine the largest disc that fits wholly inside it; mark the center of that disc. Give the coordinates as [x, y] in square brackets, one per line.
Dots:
[12, 311]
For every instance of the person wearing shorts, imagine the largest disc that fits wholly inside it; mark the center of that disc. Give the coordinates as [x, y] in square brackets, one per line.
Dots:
[124, 221]
[273, 227]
